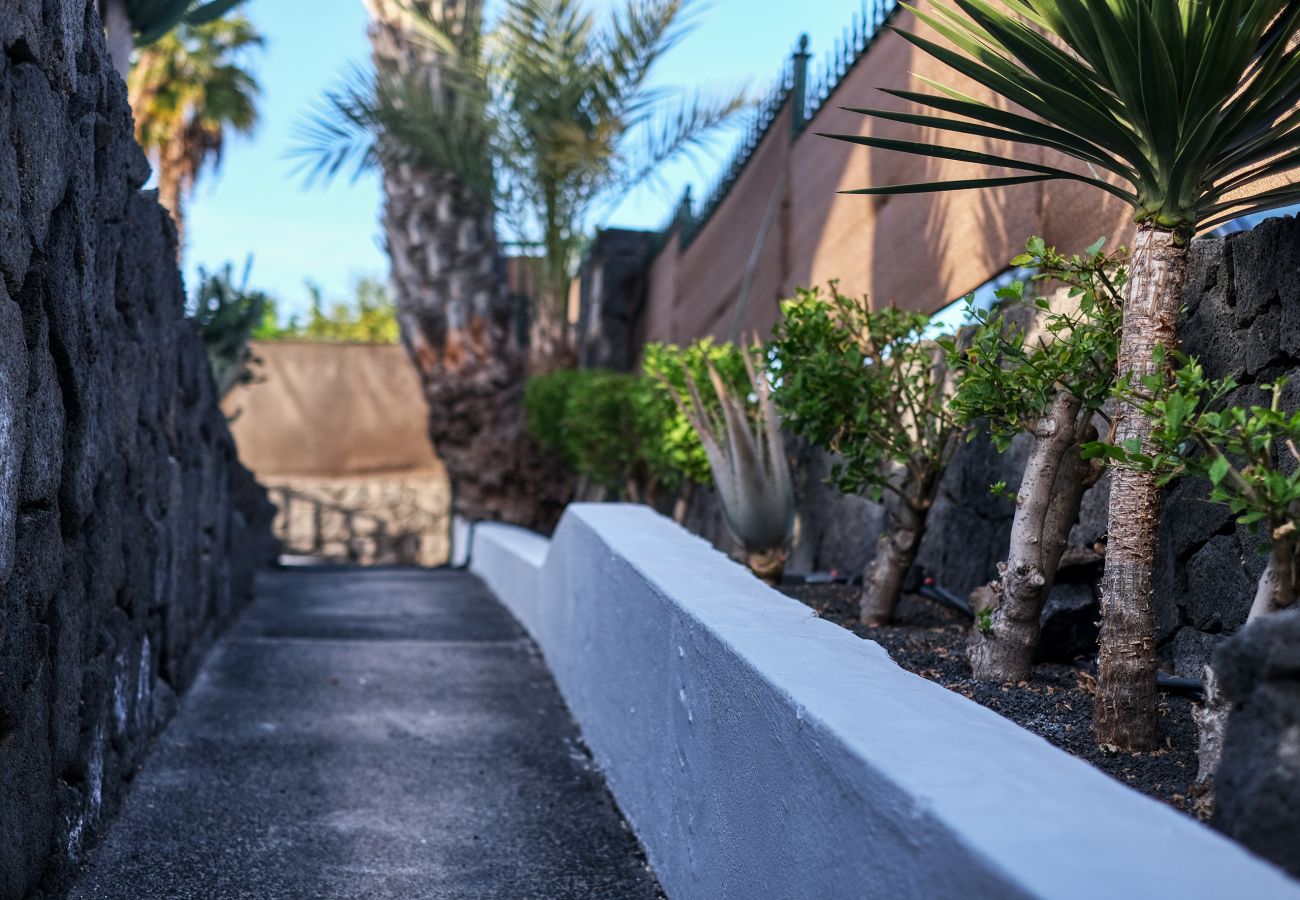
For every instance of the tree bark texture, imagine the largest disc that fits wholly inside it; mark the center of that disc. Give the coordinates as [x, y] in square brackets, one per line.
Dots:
[120, 37]
[1047, 506]
[1277, 587]
[1124, 713]
[895, 552]
[457, 324]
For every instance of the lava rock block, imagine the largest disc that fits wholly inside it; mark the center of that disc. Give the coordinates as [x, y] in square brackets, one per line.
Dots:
[1257, 788]
[1069, 624]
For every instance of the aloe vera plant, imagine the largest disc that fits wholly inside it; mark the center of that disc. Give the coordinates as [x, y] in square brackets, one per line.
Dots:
[742, 440]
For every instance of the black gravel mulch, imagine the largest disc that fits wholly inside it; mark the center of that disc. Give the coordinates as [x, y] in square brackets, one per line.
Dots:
[1055, 703]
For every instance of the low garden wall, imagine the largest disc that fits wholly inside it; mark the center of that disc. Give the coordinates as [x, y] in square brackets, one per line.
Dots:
[759, 751]
[129, 531]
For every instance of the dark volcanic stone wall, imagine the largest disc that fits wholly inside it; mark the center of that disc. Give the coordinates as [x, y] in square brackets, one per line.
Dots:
[1243, 321]
[128, 529]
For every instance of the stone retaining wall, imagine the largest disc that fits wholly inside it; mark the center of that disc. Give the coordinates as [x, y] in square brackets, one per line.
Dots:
[129, 531]
[384, 519]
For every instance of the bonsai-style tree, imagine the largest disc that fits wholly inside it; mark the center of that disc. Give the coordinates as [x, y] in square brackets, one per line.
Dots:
[1053, 387]
[1185, 110]
[868, 387]
[138, 23]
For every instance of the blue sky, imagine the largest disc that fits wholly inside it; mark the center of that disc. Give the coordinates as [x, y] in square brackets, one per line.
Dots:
[256, 204]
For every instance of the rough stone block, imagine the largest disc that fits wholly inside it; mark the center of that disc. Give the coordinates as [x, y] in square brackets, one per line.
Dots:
[1257, 788]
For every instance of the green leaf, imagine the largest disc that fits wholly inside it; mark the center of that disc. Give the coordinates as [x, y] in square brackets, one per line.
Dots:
[1219, 469]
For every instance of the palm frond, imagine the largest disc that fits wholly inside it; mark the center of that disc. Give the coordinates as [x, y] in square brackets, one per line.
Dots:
[1186, 104]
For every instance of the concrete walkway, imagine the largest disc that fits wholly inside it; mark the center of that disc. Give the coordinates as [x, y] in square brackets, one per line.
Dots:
[370, 734]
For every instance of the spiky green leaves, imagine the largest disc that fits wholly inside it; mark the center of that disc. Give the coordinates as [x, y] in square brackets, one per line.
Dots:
[1179, 107]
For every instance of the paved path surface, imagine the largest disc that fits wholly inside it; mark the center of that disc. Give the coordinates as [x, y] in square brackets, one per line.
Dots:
[370, 734]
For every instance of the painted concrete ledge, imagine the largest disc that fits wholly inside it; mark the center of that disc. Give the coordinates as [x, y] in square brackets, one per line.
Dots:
[761, 752]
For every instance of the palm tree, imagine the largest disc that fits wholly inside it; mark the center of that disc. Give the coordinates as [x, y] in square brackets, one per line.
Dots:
[141, 22]
[438, 118]
[546, 117]
[186, 91]
[1184, 109]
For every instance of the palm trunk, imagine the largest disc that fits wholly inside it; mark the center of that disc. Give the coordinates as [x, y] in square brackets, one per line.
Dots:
[1124, 714]
[118, 34]
[458, 326]
[882, 585]
[1056, 477]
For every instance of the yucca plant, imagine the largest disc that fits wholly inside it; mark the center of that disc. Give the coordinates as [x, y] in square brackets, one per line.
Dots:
[1185, 110]
[138, 23]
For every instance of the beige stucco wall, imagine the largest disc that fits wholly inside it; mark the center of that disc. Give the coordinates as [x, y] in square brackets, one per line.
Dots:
[919, 252]
[337, 434]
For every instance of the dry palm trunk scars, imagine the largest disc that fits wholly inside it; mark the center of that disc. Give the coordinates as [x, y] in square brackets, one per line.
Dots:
[458, 326]
[1125, 711]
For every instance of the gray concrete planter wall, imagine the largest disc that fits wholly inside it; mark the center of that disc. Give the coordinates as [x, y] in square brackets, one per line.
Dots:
[760, 752]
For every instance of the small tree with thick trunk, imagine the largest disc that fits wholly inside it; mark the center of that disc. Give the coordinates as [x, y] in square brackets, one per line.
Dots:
[869, 387]
[1185, 110]
[1250, 455]
[1053, 387]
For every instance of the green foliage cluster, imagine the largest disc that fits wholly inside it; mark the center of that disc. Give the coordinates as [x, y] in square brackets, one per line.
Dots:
[1010, 383]
[153, 19]
[370, 317]
[869, 387]
[607, 426]
[626, 430]
[1239, 449]
[227, 315]
[546, 114]
[668, 366]
[1189, 105]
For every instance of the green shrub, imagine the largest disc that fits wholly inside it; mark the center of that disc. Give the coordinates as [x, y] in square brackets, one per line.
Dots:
[677, 448]
[618, 431]
[869, 387]
[545, 399]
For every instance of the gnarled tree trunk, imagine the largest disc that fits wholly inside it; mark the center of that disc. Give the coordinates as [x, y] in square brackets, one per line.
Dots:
[1056, 477]
[457, 324]
[1124, 714]
[895, 552]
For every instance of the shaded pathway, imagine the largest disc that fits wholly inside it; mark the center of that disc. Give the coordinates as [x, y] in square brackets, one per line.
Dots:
[370, 734]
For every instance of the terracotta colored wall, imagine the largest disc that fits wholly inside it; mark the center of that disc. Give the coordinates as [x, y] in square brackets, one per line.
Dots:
[921, 252]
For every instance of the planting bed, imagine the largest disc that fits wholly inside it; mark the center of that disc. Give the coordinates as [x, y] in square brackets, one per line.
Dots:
[1055, 703]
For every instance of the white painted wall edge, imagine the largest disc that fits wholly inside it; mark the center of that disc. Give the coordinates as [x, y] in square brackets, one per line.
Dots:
[761, 752]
